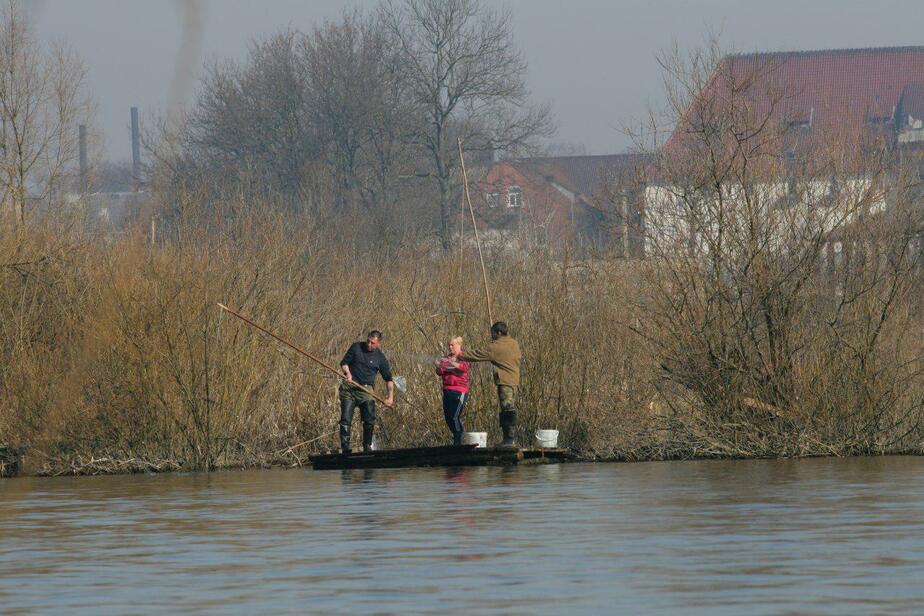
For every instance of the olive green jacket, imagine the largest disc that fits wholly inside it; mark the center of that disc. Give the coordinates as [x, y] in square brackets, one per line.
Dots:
[504, 355]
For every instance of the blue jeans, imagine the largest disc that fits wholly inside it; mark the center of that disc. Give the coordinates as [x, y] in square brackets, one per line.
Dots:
[453, 405]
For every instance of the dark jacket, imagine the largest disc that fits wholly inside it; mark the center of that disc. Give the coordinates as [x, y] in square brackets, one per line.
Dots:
[365, 365]
[504, 355]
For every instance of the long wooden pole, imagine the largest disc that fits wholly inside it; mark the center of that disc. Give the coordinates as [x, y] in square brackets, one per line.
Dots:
[484, 273]
[462, 255]
[305, 353]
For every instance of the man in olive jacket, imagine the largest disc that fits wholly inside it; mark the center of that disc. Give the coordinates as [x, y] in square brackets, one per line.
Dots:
[504, 354]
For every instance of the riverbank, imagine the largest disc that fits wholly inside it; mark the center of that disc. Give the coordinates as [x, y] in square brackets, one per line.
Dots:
[103, 466]
[115, 355]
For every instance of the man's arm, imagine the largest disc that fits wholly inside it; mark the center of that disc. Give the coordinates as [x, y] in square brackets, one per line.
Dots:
[345, 363]
[385, 371]
[385, 368]
[477, 355]
[390, 400]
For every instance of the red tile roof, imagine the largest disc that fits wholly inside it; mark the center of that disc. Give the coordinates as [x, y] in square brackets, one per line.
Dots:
[850, 90]
[586, 176]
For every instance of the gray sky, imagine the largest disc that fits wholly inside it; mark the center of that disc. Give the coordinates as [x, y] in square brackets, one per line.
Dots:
[593, 60]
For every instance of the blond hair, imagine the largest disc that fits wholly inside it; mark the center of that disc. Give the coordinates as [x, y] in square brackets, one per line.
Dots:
[456, 339]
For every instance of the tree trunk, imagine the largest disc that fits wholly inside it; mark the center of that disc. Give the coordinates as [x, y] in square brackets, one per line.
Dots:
[445, 215]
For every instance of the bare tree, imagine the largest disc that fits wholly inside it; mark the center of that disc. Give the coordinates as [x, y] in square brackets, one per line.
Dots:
[308, 114]
[360, 107]
[466, 80]
[780, 273]
[43, 98]
[357, 108]
[252, 120]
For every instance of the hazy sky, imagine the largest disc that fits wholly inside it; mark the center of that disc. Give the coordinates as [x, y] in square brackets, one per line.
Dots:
[593, 60]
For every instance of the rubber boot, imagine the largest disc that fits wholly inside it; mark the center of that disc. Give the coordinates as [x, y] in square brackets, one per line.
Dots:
[344, 439]
[508, 422]
[508, 441]
[368, 432]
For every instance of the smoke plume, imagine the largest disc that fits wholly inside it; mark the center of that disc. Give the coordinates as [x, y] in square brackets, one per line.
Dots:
[192, 17]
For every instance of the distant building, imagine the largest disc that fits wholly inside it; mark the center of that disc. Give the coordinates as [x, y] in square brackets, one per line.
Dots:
[852, 106]
[110, 211]
[579, 201]
[861, 95]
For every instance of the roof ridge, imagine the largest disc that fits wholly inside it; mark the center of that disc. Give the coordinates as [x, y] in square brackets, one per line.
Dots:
[577, 156]
[828, 51]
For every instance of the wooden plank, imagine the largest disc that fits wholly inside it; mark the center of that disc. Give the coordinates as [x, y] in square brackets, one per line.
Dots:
[395, 453]
[399, 463]
[466, 455]
[429, 456]
[457, 459]
[547, 456]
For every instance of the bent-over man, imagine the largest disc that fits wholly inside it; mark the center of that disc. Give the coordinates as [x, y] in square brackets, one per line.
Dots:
[360, 364]
[504, 354]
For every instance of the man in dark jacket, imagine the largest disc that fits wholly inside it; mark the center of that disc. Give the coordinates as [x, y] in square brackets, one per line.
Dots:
[360, 364]
[504, 354]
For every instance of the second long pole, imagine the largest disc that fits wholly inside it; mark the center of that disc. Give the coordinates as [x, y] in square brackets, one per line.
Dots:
[484, 273]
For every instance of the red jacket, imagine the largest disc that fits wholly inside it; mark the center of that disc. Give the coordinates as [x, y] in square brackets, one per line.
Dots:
[455, 379]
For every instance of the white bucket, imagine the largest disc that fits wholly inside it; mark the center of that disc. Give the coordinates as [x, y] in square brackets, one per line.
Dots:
[479, 439]
[547, 439]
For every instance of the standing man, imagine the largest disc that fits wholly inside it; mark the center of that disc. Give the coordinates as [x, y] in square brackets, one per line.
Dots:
[504, 354]
[361, 363]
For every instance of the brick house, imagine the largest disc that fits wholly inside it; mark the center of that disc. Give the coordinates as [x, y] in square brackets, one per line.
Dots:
[862, 99]
[578, 201]
[856, 104]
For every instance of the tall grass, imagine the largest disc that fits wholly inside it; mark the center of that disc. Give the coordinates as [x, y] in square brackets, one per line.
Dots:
[115, 356]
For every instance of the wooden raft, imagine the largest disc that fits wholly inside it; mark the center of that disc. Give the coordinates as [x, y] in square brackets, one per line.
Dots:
[463, 455]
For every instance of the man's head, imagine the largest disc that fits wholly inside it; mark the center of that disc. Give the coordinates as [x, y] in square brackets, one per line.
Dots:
[498, 329]
[373, 340]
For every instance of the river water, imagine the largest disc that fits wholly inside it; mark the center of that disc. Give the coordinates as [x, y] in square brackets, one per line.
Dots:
[821, 536]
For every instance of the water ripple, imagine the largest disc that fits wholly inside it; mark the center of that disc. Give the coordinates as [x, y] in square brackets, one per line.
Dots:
[766, 537]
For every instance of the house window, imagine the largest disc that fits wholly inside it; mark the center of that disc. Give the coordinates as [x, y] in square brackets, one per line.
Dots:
[801, 123]
[878, 121]
[791, 198]
[493, 198]
[833, 194]
[514, 197]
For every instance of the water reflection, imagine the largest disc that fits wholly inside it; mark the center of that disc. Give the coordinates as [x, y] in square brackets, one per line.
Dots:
[807, 536]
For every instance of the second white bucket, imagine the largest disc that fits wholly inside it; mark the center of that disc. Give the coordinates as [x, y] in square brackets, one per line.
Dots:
[479, 439]
[547, 439]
